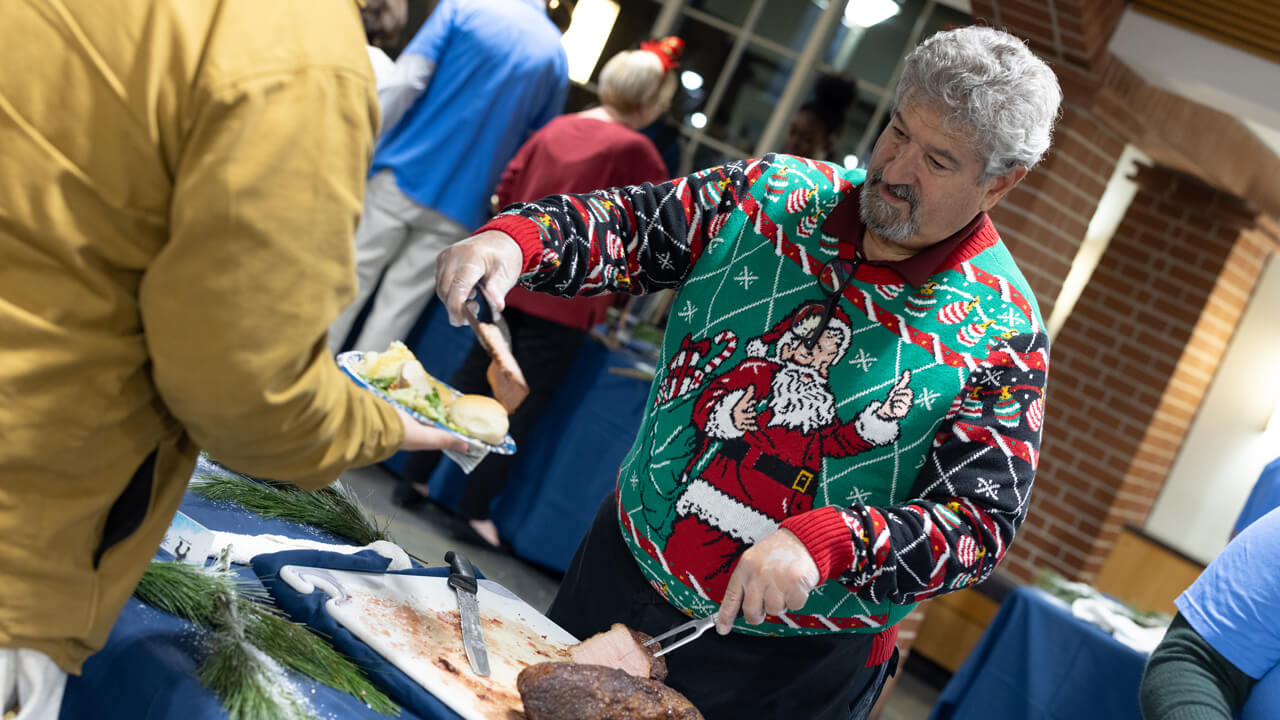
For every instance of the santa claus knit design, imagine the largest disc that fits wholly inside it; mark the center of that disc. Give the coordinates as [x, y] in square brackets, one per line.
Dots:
[893, 508]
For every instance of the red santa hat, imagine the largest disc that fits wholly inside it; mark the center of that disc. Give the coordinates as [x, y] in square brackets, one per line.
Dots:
[797, 324]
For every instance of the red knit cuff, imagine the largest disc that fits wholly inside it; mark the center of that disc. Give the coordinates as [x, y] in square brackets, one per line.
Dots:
[525, 232]
[827, 538]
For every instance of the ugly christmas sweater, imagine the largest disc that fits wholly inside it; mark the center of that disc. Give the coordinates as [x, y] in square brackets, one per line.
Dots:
[748, 430]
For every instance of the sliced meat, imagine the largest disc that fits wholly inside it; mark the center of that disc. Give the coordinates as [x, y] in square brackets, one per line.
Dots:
[572, 691]
[622, 648]
[504, 374]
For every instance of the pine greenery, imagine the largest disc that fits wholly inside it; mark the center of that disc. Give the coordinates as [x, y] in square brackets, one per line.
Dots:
[334, 508]
[250, 637]
[250, 684]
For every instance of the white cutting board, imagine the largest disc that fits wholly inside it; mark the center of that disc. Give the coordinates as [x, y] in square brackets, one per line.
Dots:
[412, 621]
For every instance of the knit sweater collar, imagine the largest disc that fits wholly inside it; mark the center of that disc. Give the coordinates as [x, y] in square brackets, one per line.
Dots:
[845, 224]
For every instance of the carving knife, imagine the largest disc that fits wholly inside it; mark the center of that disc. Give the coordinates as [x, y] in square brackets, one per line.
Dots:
[495, 319]
[462, 578]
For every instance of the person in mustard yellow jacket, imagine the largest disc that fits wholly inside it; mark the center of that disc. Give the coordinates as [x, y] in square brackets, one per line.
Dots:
[179, 185]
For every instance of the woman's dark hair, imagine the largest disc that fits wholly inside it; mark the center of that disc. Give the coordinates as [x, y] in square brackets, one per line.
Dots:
[383, 22]
[832, 96]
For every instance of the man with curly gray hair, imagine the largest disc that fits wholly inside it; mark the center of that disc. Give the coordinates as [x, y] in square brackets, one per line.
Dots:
[973, 114]
[847, 416]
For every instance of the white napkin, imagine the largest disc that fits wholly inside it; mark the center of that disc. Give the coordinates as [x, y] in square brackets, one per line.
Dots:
[245, 547]
[1107, 615]
[468, 460]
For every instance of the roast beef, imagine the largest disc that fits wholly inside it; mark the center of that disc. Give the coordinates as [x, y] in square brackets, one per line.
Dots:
[504, 374]
[622, 648]
[573, 691]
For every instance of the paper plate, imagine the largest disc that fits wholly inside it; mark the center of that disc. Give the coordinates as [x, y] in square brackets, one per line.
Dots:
[348, 362]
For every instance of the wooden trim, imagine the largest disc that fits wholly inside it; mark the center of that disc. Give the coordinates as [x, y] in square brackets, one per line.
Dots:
[1255, 33]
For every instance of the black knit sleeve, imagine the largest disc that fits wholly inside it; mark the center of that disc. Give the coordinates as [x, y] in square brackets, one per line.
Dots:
[635, 239]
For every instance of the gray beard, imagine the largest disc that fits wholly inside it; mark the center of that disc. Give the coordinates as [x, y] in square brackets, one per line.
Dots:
[885, 219]
[801, 399]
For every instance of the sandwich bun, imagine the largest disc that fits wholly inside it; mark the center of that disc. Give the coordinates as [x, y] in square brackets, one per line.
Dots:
[481, 417]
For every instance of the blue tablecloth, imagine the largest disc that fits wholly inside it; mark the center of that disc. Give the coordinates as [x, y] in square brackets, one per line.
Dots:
[1039, 662]
[146, 671]
[569, 463]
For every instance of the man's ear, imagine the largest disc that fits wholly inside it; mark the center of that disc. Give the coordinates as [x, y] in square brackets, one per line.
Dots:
[1001, 184]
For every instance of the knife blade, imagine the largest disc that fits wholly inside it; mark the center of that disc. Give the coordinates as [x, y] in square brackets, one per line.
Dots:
[495, 319]
[474, 322]
[462, 578]
[506, 379]
[495, 316]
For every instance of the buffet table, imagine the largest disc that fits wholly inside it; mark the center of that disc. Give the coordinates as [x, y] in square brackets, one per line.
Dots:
[1037, 661]
[571, 461]
[146, 671]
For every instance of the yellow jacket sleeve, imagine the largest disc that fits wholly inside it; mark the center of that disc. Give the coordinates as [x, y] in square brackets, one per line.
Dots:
[235, 307]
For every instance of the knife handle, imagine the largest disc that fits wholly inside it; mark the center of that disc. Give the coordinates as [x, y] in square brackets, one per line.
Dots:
[462, 576]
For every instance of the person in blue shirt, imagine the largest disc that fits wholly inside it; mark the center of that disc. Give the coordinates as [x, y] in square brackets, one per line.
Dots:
[1220, 656]
[1264, 497]
[471, 86]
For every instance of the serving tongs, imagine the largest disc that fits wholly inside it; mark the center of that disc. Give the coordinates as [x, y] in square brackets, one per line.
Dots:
[695, 628]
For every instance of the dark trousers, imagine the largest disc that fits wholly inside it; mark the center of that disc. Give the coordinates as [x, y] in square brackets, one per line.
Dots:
[733, 677]
[544, 350]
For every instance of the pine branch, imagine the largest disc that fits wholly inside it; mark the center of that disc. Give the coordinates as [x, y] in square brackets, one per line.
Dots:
[199, 595]
[301, 649]
[334, 508]
[250, 684]
[188, 591]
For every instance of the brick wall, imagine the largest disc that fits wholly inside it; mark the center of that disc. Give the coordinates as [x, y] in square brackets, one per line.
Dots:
[1141, 346]
[1131, 365]
[1104, 460]
[1073, 31]
[1043, 220]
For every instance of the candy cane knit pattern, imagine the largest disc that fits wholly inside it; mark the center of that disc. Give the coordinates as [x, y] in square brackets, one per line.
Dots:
[745, 433]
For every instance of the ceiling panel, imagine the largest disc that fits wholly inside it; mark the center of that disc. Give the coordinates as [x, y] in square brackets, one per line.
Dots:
[1250, 25]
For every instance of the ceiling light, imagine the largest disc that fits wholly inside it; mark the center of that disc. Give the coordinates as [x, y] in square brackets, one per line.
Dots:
[584, 40]
[865, 13]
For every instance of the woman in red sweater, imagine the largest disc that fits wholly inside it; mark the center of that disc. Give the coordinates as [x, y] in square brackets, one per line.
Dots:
[596, 148]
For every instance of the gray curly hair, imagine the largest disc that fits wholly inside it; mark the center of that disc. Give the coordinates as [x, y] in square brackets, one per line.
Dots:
[989, 81]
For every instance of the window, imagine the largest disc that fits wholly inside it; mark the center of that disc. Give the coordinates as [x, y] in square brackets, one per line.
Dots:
[750, 76]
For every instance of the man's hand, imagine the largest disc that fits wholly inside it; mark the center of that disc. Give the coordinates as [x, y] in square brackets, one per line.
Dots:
[424, 437]
[895, 406]
[492, 259]
[744, 413]
[773, 576]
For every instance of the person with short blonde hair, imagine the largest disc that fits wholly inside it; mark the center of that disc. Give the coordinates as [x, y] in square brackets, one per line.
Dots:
[636, 85]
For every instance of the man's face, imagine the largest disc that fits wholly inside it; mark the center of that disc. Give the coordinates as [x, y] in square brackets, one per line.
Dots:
[820, 358]
[923, 184]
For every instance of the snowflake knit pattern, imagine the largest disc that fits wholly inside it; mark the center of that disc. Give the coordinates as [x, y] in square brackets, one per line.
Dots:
[750, 429]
